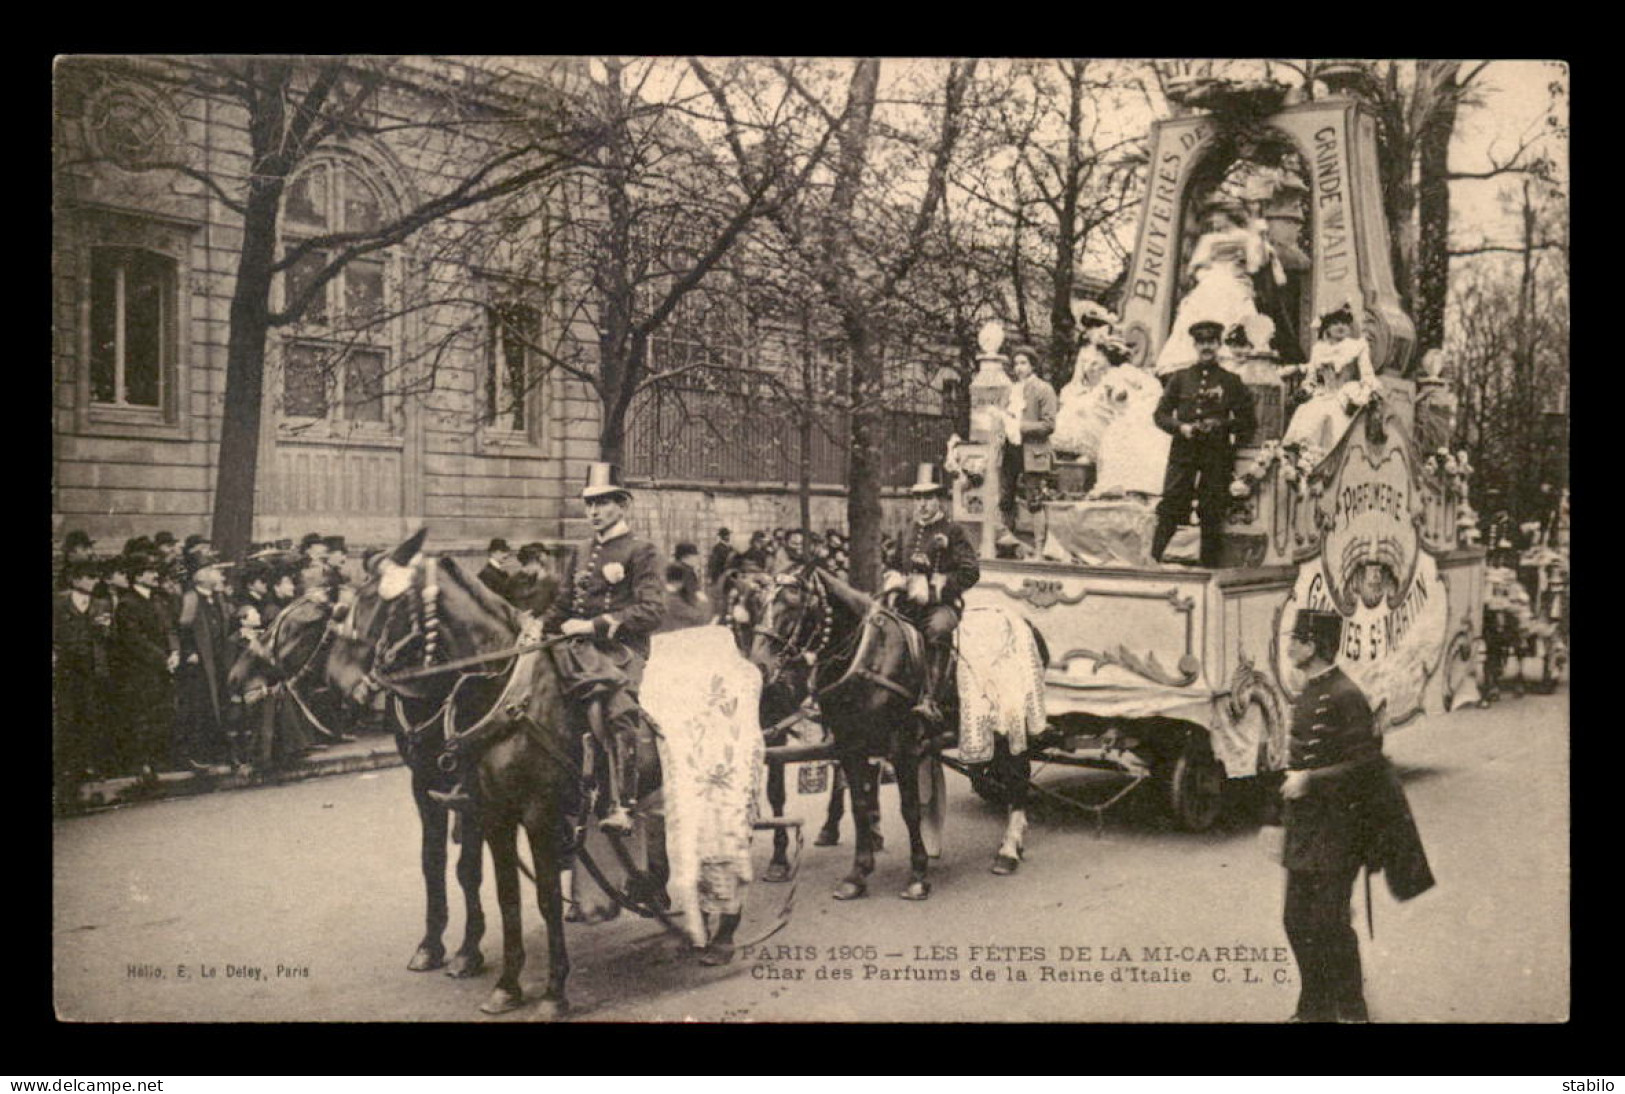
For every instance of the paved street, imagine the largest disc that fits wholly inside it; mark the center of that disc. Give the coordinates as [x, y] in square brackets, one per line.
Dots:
[305, 902]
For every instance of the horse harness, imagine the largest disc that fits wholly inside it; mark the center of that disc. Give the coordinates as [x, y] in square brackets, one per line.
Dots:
[858, 646]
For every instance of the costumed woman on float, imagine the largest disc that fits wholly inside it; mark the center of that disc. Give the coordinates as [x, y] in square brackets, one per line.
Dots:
[1340, 379]
[1222, 265]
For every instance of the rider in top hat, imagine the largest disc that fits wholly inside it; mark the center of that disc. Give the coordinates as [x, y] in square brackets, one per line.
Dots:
[932, 564]
[1344, 809]
[611, 599]
[1208, 410]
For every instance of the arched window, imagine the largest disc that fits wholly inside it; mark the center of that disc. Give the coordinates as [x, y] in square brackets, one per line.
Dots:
[336, 363]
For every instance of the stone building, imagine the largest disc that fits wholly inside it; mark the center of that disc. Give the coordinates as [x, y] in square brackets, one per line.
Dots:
[383, 408]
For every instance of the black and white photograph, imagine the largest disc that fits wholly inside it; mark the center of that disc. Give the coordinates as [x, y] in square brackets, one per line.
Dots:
[734, 539]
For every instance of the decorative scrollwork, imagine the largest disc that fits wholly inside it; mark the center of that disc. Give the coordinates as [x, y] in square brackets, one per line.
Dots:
[132, 124]
[1147, 665]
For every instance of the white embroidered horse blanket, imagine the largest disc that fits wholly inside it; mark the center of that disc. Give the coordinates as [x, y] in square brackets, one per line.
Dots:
[1001, 683]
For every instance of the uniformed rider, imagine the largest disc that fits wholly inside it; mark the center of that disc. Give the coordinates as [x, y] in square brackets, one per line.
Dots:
[930, 567]
[611, 599]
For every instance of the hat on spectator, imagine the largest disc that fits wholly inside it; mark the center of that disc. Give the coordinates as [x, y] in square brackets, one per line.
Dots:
[142, 543]
[77, 538]
[163, 538]
[335, 543]
[82, 567]
[309, 540]
[498, 544]
[533, 552]
[137, 563]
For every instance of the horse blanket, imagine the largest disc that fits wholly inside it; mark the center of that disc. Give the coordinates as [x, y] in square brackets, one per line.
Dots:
[1001, 683]
[705, 698]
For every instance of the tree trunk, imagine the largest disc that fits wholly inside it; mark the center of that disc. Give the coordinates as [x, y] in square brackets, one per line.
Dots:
[1432, 272]
[233, 526]
[863, 511]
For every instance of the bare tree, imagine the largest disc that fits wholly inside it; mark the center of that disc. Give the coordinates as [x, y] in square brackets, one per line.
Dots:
[474, 136]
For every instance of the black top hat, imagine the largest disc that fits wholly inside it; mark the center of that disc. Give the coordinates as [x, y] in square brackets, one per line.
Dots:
[77, 538]
[335, 543]
[532, 552]
[603, 480]
[1340, 314]
[193, 540]
[1324, 629]
[928, 480]
[498, 544]
[310, 539]
[202, 556]
[164, 538]
[1206, 327]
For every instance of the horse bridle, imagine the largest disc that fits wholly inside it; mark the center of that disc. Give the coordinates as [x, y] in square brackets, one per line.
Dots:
[814, 609]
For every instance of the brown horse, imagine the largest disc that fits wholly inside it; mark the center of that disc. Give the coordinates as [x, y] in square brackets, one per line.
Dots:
[411, 615]
[867, 674]
[748, 595]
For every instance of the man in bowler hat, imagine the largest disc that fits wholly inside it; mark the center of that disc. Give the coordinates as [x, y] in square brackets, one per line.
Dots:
[610, 601]
[495, 575]
[1344, 809]
[1208, 410]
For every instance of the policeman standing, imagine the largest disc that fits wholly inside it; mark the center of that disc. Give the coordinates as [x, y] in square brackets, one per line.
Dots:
[1208, 410]
[932, 565]
[1344, 808]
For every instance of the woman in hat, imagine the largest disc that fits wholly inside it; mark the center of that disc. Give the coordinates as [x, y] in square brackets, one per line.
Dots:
[1133, 452]
[1339, 378]
[1221, 267]
[1077, 422]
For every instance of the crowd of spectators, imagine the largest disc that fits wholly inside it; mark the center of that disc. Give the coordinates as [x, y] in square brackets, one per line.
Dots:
[143, 645]
[144, 642]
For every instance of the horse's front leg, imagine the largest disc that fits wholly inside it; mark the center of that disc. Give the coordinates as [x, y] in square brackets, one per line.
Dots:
[1011, 774]
[830, 834]
[469, 961]
[856, 883]
[906, 760]
[778, 867]
[431, 951]
[502, 836]
[545, 856]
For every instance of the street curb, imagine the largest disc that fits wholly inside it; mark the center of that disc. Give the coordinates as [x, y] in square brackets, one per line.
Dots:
[112, 793]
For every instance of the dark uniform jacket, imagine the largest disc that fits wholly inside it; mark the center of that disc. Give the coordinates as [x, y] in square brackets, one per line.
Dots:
[1355, 811]
[947, 550]
[204, 628]
[1212, 398]
[626, 603]
[499, 581]
[143, 638]
[79, 642]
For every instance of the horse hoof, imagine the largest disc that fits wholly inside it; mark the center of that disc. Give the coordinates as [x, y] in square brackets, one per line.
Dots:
[1005, 865]
[717, 953]
[462, 967]
[502, 1000]
[850, 890]
[426, 960]
[917, 890]
[827, 837]
[777, 871]
[549, 1010]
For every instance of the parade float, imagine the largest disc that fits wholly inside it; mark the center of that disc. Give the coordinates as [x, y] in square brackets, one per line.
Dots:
[1177, 675]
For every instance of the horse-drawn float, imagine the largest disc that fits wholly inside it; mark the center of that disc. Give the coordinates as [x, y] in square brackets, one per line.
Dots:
[1177, 674]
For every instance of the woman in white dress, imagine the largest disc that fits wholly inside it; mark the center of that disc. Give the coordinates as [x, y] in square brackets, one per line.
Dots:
[1078, 422]
[1339, 378]
[1222, 265]
[1133, 451]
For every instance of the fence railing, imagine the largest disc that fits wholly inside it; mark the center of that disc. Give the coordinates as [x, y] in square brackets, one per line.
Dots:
[696, 435]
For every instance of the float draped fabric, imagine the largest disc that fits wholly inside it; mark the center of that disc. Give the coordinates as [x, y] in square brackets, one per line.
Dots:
[705, 698]
[1001, 683]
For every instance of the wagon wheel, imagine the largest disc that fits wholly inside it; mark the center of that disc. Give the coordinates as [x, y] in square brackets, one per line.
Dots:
[1196, 785]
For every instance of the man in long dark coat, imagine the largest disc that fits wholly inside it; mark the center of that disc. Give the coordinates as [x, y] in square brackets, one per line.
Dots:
[145, 653]
[1344, 809]
[81, 628]
[1208, 410]
[204, 625]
